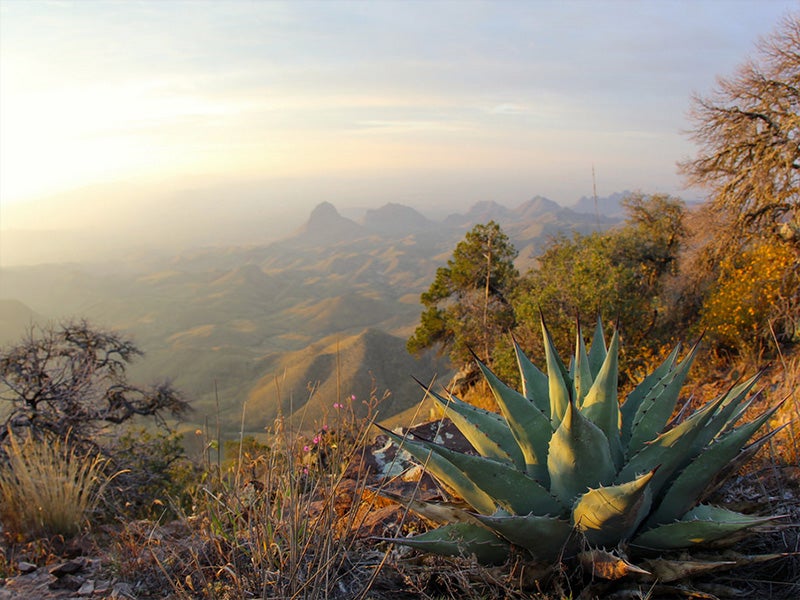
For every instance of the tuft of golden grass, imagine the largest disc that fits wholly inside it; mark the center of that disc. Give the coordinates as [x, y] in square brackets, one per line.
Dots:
[47, 488]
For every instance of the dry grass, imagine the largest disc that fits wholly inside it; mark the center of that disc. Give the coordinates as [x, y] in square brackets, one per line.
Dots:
[47, 488]
[280, 521]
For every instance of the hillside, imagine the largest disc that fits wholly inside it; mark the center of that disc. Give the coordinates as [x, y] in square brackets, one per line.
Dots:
[224, 322]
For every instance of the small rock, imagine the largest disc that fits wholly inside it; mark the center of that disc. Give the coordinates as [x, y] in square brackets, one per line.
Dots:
[87, 589]
[122, 590]
[26, 567]
[102, 588]
[67, 582]
[69, 567]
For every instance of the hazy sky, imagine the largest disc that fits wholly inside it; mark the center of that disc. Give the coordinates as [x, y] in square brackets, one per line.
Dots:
[502, 99]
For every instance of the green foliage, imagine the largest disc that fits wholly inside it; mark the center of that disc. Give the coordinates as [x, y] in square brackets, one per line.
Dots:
[469, 302]
[155, 474]
[619, 272]
[566, 461]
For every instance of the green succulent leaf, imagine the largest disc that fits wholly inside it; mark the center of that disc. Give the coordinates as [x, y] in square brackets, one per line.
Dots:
[460, 539]
[597, 351]
[535, 386]
[601, 406]
[558, 379]
[728, 411]
[607, 515]
[701, 525]
[445, 471]
[440, 512]
[670, 451]
[531, 429]
[582, 377]
[658, 406]
[649, 387]
[686, 489]
[488, 432]
[513, 490]
[546, 538]
[579, 457]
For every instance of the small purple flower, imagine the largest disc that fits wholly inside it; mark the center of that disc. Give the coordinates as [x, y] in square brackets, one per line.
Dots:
[306, 449]
[337, 406]
[317, 439]
[353, 397]
[324, 428]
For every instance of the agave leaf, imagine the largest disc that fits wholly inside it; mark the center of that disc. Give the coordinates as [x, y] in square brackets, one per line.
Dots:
[649, 386]
[666, 570]
[441, 512]
[582, 377]
[445, 471]
[531, 428]
[607, 515]
[601, 406]
[512, 489]
[655, 410]
[747, 453]
[579, 457]
[607, 565]
[687, 487]
[727, 412]
[534, 383]
[701, 525]
[597, 351]
[460, 539]
[558, 380]
[488, 433]
[670, 451]
[546, 538]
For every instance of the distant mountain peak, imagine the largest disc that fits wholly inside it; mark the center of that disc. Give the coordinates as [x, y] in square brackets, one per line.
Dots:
[326, 225]
[323, 212]
[396, 219]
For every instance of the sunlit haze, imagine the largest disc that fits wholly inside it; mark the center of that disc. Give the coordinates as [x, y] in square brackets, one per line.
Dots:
[131, 105]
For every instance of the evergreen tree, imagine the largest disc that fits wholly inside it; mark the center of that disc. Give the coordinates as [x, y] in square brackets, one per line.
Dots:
[468, 304]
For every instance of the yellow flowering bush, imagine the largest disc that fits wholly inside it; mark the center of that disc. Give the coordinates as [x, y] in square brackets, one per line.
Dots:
[751, 296]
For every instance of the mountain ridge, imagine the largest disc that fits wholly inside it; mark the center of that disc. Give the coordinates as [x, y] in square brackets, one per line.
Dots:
[218, 320]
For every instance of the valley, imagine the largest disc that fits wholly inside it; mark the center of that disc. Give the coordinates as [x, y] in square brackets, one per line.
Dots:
[288, 326]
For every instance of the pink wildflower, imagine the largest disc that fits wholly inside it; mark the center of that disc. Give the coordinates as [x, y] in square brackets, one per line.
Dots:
[317, 439]
[306, 449]
[337, 406]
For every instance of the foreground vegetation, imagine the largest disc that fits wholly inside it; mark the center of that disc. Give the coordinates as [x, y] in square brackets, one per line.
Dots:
[300, 513]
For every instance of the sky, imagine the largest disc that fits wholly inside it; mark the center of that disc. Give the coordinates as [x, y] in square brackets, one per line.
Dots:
[370, 101]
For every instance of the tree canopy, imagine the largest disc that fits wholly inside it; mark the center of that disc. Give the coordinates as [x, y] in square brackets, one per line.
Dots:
[748, 132]
[618, 273]
[72, 380]
[468, 304]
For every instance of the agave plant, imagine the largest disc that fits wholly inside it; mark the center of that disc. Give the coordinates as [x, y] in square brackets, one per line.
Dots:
[567, 464]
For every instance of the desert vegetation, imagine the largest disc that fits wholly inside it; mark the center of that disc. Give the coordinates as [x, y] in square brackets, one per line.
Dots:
[635, 470]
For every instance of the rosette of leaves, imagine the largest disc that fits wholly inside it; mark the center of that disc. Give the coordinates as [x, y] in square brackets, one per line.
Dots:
[568, 465]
